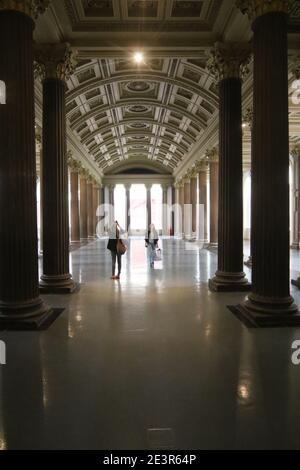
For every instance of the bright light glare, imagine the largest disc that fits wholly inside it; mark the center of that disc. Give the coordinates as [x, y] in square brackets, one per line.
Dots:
[138, 57]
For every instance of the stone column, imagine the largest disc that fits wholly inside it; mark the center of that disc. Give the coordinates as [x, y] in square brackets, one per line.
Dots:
[20, 304]
[270, 303]
[127, 208]
[202, 177]
[111, 189]
[165, 210]
[74, 187]
[173, 198]
[187, 217]
[55, 66]
[226, 63]
[148, 204]
[39, 156]
[83, 205]
[90, 206]
[296, 188]
[181, 207]
[213, 160]
[95, 207]
[194, 176]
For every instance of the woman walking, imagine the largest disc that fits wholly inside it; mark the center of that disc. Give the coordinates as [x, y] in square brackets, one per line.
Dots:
[117, 249]
[151, 241]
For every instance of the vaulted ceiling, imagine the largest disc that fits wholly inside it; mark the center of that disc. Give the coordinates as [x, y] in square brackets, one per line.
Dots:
[154, 114]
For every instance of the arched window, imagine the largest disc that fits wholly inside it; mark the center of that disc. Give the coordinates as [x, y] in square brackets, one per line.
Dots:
[2, 92]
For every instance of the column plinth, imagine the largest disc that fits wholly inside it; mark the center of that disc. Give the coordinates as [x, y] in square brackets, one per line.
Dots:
[20, 304]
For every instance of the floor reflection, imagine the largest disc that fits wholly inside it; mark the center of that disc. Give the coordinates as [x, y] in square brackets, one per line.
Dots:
[154, 350]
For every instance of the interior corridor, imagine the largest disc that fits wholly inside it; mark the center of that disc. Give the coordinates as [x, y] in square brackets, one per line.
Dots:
[153, 361]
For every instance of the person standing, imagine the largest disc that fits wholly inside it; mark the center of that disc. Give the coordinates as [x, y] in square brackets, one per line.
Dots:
[117, 249]
[151, 241]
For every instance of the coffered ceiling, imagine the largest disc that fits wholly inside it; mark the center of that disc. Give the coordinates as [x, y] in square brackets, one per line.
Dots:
[158, 114]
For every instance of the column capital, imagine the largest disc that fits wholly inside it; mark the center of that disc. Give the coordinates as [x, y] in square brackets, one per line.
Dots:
[73, 164]
[255, 8]
[201, 165]
[212, 155]
[229, 60]
[248, 117]
[148, 186]
[128, 186]
[32, 8]
[83, 173]
[54, 61]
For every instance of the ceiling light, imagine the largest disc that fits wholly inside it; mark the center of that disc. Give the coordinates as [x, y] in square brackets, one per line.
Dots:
[138, 57]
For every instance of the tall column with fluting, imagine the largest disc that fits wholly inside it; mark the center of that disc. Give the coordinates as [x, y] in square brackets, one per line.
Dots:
[148, 204]
[56, 63]
[213, 160]
[187, 217]
[74, 167]
[20, 304]
[202, 168]
[226, 64]
[127, 208]
[83, 207]
[90, 207]
[194, 176]
[270, 302]
[165, 210]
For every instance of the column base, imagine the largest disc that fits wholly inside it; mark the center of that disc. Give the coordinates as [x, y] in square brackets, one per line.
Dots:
[27, 316]
[257, 311]
[58, 284]
[211, 246]
[229, 282]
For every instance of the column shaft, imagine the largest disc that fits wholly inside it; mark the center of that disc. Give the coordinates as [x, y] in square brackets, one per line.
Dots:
[75, 227]
[213, 194]
[83, 208]
[127, 209]
[56, 276]
[90, 212]
[165, 211]
[270, 302]
[149, 215]
[20, 304]
[187, 213]
[194, 204]
[203, 203]
[230, 275]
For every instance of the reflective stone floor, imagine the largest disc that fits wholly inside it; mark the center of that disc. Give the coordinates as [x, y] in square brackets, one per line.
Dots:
[154, 360]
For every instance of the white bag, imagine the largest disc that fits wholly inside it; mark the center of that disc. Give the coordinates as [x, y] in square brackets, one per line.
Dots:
[157, 255]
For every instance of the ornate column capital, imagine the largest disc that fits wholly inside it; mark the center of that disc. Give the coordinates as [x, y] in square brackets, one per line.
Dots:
[127, 186]
[83, 172]
[229, 60]
[73, 164]
[54, 61]
[248, 117]
[201, 165]
[255, 8]
[32, 8]
[212, 155]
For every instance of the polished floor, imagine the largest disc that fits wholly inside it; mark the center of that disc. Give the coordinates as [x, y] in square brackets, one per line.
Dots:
[152, 361]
